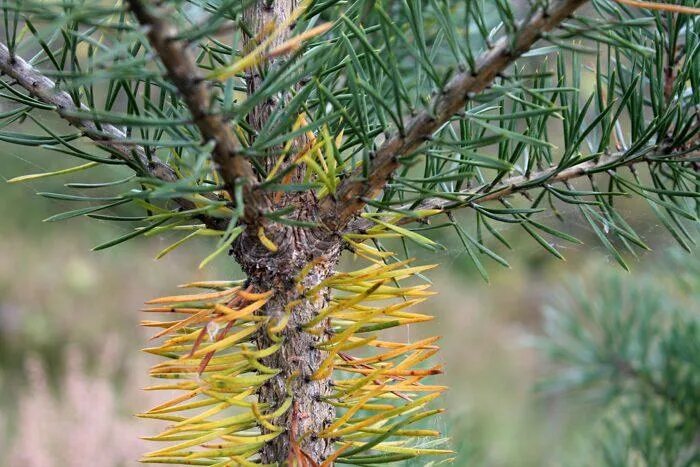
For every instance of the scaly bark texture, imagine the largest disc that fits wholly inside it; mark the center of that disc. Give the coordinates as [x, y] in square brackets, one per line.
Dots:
[298, 359]
[287, 274]
[257, 17]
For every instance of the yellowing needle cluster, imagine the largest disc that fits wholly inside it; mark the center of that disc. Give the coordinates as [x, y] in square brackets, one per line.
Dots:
[214, 365]
[379, 376]
[380, 388]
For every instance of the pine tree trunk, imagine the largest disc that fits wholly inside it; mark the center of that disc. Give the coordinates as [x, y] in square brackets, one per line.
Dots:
[257, 17]
[298, 358]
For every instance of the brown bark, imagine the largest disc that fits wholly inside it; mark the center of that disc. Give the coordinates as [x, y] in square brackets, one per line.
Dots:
[298, 358]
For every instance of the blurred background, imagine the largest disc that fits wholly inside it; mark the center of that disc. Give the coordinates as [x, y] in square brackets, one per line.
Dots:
[71, 370]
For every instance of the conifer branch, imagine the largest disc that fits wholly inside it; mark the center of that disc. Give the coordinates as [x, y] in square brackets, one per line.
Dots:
[521, 183]
[106, 136]
[184, 73]
[354, 191]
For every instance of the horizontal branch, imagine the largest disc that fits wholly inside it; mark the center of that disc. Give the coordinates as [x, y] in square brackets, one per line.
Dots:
[108, 137]
[184, 73]
[355, 190]
[522, 183]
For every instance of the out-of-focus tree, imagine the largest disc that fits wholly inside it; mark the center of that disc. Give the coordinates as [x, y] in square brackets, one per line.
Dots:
[631, 345]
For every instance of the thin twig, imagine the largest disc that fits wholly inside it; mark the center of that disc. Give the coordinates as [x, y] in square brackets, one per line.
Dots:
[520, 183]
[523, 183]
[661, 7]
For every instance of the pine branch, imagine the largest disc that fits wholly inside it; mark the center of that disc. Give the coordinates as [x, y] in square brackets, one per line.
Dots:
[623, 342]
[106, 136]
[184, 73]
[354, 191]
[540, 179]
[520, 183]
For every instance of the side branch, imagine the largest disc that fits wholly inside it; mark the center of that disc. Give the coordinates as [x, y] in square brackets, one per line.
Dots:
[452, 99]
[108, 137]
[522, 183]
[184, 73]
[543, 178]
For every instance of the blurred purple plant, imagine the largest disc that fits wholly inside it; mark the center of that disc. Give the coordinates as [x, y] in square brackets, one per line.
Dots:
[84, 419]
